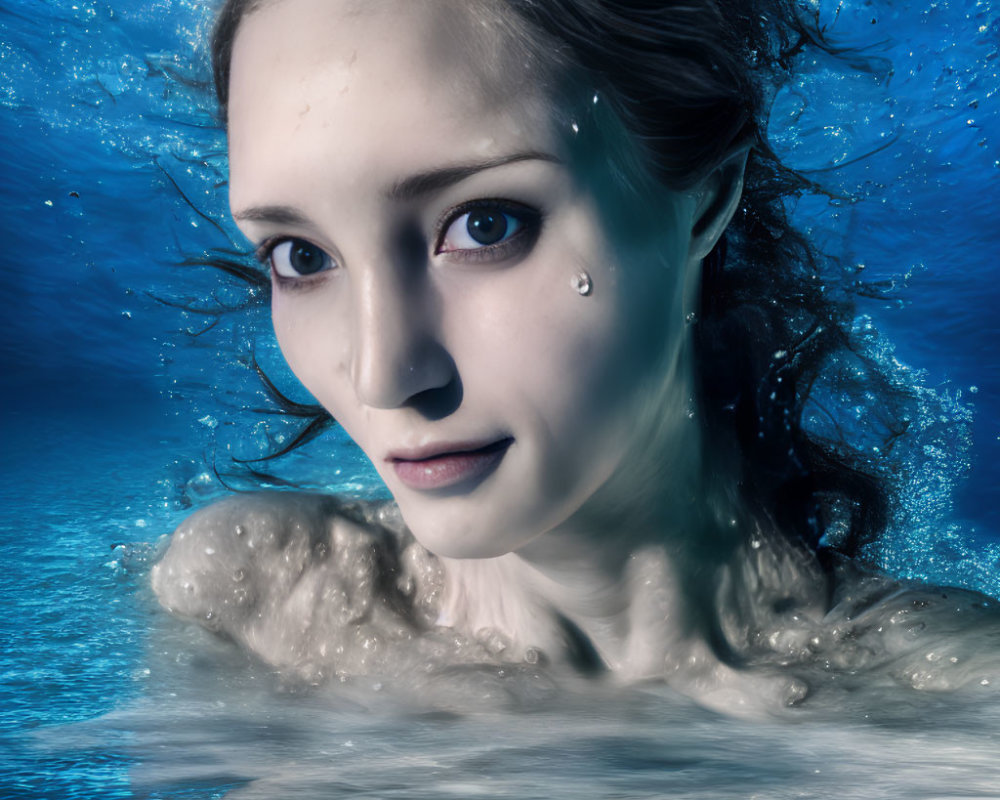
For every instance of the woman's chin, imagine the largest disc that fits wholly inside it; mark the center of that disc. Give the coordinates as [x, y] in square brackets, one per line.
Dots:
[474, 541]
[459, 527]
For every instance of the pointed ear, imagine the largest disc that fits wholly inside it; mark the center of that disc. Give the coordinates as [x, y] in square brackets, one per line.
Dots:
[718, 197]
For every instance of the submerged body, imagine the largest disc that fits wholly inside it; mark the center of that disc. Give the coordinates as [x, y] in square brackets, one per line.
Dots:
[318, 589]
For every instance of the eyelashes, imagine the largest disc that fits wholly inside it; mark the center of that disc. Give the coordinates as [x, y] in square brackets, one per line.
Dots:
[488, 230]
[480, 231]
[292, 258]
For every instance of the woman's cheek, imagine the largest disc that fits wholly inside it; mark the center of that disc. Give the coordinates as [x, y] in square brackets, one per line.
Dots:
[292, 336]
[313, 349]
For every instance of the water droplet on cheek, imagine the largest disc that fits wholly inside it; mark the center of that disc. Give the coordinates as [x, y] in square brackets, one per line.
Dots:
[582, 283]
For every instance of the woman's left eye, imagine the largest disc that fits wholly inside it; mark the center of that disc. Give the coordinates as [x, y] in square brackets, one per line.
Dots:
[489, 230]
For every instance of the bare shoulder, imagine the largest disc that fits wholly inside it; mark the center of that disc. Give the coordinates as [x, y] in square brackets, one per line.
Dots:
[855, 630]
[279, 517]
[275, 532]
[944, 637]
[283, 573]
[926, 637]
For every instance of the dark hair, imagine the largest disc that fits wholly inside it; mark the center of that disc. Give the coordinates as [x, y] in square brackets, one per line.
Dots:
[691, 82]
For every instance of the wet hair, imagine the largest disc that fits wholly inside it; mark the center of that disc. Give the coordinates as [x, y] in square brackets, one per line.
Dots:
[691, 82]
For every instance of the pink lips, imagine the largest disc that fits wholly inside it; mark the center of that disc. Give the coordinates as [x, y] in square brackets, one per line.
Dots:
[441, 466]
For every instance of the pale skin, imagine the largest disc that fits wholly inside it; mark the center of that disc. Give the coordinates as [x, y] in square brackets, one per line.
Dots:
[365, 161]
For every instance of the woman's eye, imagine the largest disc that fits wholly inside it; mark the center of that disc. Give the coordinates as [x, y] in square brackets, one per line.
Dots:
[488, 230]
[294, 258]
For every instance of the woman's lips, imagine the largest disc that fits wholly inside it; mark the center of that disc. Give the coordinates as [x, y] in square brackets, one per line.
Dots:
[448, 465]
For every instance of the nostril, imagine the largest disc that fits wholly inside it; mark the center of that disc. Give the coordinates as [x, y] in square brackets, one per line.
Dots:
[438, 402]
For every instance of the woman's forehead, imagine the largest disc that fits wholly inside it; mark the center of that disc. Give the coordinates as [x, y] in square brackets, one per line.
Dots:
[375, 83]
[476, 43]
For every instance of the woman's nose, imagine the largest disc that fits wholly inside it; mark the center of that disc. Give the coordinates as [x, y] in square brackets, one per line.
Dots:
[397, 355]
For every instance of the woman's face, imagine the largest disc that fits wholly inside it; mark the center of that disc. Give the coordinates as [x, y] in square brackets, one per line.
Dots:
[427, 225]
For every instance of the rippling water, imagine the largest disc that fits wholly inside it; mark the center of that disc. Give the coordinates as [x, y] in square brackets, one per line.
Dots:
[113, 420]
[105, 696]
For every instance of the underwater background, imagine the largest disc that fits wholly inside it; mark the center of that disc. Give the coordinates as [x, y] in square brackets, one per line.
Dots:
[121, 409]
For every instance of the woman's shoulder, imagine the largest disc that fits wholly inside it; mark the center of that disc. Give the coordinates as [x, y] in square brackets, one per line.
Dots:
[280, 533]
[275, 518]
[927, 637]
[289, 574]
[921, 636]
[850, 623]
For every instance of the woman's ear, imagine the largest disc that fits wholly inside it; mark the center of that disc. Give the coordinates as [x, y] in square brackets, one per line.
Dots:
[718, 197]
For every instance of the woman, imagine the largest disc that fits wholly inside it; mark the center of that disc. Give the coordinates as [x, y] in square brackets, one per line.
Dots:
[497, 235]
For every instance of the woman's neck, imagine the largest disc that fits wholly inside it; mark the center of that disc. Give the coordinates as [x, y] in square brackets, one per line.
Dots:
[641, 603]
[579, 592]
[634, 573]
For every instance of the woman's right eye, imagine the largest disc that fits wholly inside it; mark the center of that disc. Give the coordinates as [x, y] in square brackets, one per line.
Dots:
[296, 258]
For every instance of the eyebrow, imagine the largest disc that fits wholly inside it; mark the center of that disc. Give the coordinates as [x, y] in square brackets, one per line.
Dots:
[435, 180]
[409, 188]
[280, 215]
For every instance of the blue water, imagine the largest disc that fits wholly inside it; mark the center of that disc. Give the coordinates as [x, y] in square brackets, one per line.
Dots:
[113, 419]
